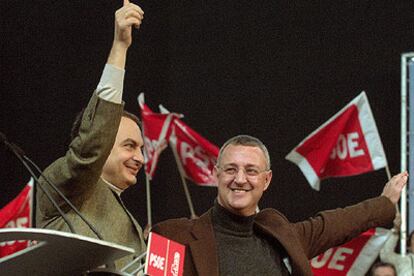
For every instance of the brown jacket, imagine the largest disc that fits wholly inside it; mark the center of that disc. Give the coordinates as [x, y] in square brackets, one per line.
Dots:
[302, 240]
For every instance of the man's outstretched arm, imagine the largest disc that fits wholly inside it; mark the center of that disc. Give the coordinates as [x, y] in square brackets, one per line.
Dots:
[82, 165]
[335, 227]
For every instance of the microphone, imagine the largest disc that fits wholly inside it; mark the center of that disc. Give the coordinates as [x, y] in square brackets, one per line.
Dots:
[24, 159]
[138, 259]
[19, 154]
[67, 201]
[15, 148]
[2, 137]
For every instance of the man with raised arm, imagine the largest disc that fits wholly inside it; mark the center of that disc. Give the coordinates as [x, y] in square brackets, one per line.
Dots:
[233, 238]
[103, 158]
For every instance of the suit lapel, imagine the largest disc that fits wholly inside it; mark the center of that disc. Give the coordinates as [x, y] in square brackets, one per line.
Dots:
[131, 217]
[203, 248]
[279, 228]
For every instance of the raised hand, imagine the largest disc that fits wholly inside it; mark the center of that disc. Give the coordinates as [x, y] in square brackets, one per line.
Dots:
[393, 188]
[126, 17]
[130, 15]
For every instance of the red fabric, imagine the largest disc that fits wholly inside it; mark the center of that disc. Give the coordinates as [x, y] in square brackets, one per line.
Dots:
[155, 139]
[339, 148]
[16, 214]
[338, 261]
[197, 156]
[195, 153]
[347, 144]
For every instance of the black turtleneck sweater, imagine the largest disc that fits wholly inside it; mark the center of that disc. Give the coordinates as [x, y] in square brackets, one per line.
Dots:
[242, 249]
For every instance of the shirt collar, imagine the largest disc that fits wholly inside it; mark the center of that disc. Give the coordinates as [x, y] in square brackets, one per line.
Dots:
[111, 186]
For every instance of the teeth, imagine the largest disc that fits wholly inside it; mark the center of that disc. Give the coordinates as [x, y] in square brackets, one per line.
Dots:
[238, 190]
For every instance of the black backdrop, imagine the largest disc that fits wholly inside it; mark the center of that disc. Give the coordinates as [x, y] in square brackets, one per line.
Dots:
[273, 69]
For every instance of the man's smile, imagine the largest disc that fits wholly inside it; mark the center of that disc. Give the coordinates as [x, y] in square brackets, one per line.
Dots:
[240, 190]
[133, 168]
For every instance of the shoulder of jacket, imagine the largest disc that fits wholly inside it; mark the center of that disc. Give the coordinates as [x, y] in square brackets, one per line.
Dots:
[270, 213]
[176, 225]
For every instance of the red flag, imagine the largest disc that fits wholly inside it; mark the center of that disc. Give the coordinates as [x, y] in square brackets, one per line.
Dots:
[156, 131]
[196, 154]
[16, 214]
[347, 144]
[353, 258]
[164, 257]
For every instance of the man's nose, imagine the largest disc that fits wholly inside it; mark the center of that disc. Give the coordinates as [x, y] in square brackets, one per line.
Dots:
[240, 176]
[139, 156]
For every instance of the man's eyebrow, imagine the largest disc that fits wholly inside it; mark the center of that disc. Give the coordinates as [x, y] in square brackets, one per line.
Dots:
[229, 165]
[129, 140]
[235, 165]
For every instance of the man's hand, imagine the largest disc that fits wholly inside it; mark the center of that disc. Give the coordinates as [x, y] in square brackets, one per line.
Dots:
[393, 188]
[125, 18]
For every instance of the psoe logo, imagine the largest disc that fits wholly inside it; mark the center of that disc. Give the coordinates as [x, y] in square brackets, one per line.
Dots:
[176, 264]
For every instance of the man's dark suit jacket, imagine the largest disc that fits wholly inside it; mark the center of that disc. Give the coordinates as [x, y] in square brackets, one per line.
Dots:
[302, 240]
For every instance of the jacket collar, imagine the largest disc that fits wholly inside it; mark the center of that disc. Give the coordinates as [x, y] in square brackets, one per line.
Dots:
[203, 248]
[276, 225]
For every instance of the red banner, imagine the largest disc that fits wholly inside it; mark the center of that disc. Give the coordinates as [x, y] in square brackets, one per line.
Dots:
[347, 144]
[16, 214]
[156, 131]
[196, 155]
[164, 257]
[353, 258]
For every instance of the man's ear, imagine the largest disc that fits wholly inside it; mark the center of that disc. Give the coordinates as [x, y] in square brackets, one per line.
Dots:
[215, 173]
[268, 179]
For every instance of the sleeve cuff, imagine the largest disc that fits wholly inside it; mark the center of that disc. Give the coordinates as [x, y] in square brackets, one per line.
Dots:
[110, 87]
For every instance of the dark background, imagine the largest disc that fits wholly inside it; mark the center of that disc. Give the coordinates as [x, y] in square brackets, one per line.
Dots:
[273, 69]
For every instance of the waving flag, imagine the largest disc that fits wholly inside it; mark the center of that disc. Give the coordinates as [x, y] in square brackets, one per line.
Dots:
[16, 214]
[196, 154]
[347, 144]
[353, 258]
[156, 131]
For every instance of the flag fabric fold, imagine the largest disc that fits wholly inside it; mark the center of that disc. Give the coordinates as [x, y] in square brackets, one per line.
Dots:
[155, 131]
[17, 214]
[353, 258]
[197, 155]
[347, 144]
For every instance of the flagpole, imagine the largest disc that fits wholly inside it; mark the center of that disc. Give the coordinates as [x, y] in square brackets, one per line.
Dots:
[387, 170]
[147, 228]
[184, 182]
[149, 212]
[32, 203]
[186, 191]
